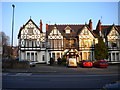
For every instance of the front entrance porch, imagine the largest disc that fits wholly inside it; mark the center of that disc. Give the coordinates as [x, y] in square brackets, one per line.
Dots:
[72, 53]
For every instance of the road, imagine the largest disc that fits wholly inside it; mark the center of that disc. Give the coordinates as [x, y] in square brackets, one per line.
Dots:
[34, 80]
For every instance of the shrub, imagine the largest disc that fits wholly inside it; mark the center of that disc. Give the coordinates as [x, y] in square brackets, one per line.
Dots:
[59, 61]
[6, 63]
[15, 64]
[63, 61]
[21, 64]
[79, 62]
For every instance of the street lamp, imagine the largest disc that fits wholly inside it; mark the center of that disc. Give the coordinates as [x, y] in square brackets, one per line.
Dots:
[12, 24]
[12, 30]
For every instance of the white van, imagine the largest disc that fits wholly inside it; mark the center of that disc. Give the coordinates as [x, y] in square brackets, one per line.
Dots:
[72, 62]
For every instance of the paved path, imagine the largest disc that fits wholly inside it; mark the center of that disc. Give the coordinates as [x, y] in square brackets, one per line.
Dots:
[62, 69]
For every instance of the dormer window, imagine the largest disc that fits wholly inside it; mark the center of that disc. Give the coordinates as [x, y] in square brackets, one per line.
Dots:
[67, 30]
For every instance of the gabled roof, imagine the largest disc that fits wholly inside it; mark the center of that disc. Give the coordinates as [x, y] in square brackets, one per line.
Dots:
[61, 28]
[118, 28]
[88, 29]
[76, 29]
[107, 28]
[25, 25]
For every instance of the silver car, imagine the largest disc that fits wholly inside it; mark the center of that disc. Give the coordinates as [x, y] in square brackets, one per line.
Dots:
[32, 63]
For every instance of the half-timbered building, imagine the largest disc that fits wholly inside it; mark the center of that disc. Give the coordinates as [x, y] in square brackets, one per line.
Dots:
[111, 36]
[70, 41]
[32, 42]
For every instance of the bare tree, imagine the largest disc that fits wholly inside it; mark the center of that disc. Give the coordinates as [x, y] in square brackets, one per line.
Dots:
[5, 38]
[6, 49]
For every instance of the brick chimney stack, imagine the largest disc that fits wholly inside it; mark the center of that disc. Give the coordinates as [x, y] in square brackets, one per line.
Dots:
[99, 25]
[46, 27]
[20, 28]
[99, 28]
[41, 25]
[90, 24]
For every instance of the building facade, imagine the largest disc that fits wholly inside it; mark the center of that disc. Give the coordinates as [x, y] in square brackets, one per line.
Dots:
[111, 36]
[69, 41]
[32, 42]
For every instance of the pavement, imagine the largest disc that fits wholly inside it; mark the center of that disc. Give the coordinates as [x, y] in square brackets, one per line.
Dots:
[44, 68]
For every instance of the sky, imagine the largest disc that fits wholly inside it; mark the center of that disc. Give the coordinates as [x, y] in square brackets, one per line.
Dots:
[57, 12]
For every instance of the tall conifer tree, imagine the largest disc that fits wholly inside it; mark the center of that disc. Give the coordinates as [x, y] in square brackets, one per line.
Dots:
[101, 51]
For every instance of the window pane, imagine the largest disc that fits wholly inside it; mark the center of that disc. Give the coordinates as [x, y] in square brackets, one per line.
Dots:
[109, 56]
[67, 31]
[53, 55]
[58, 55]
[113, 56]
[30, 43]
[30, 30]
[117, 56]
[28, 56]
[35, 56]
[84, 56]
[89, 56]
[32, 56]
[43, 58]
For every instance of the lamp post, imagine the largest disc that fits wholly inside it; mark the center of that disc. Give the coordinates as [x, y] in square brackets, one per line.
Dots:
[12, 30]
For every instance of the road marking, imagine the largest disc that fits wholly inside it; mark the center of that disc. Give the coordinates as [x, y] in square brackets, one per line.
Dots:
[5, 74]
[16, 74]
[57, 75]
[23, 74]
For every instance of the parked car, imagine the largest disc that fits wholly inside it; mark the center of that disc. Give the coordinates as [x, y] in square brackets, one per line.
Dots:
[31, 63]
[23, 60]
[100, 63]
[72, 62]
[86, 63]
